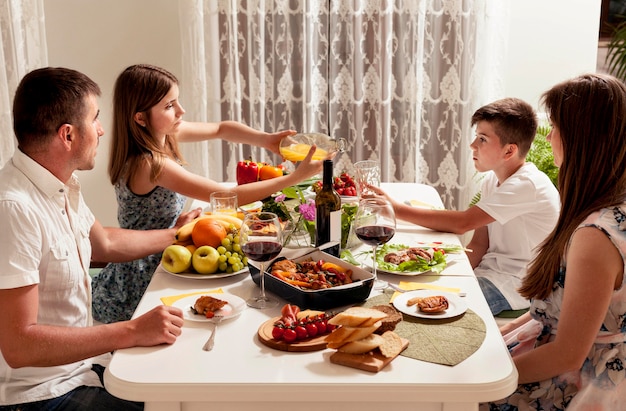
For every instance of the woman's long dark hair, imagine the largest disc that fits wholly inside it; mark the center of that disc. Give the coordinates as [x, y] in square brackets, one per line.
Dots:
[589, 112]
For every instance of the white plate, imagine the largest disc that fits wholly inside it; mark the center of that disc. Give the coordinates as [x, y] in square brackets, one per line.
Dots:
[257, 205]
[405, 273]
[196, 276]
[231, 310]
[456, 306]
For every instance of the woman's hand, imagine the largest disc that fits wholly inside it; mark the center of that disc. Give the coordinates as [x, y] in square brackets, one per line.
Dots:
[273, 140]
[187, 217]
[307, 167]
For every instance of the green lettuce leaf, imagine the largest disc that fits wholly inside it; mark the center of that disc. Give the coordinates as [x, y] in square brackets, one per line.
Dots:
[436, 265]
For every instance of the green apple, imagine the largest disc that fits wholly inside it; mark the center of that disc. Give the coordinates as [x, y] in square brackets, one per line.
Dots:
[176, 258]
[205, 260]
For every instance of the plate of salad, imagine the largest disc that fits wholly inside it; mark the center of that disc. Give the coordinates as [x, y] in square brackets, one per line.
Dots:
[411, 260]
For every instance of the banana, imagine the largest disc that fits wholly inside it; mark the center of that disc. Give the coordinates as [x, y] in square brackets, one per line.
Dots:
[228, 219]
[184, 233]
[183, 243]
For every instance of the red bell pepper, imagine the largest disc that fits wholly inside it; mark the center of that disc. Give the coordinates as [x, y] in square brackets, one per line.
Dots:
[247, 172]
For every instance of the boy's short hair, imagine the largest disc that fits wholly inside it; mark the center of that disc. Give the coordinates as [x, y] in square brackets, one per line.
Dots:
[513, 120]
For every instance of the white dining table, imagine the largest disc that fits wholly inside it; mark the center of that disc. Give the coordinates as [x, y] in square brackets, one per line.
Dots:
[241, 373]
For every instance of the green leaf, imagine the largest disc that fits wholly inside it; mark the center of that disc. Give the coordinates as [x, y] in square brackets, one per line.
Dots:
[436, 265]
[541, 155]
[346, 255]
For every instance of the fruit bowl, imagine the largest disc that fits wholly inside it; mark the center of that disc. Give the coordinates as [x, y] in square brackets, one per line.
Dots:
[323, 299]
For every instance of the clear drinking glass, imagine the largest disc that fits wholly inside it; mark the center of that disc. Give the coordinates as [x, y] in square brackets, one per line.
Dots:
[224, 202]
[375, 224]
[261, 240]
[367, 172]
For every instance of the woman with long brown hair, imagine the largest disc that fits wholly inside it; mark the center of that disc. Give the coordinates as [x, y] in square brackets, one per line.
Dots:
[571, 352]
[151, 184]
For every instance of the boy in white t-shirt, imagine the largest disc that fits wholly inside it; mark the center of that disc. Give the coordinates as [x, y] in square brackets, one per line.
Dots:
[518, 207]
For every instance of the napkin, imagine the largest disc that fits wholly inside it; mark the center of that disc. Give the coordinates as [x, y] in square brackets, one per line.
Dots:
[446, 341]
[411, 286]
[169, 300]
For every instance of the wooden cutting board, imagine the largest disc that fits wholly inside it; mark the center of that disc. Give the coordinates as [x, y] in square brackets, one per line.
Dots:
[311, 344]
[372, 361]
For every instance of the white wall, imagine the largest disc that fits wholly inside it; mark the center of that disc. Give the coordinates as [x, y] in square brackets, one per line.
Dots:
[101, 38]
[550, 41]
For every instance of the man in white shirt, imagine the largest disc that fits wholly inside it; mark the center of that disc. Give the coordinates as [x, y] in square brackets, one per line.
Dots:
[52, 355]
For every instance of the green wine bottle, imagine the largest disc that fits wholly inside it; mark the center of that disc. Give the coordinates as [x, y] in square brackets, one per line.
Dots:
[327, 210]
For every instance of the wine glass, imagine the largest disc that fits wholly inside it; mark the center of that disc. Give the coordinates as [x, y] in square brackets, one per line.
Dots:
[375, 224]
[260, 238]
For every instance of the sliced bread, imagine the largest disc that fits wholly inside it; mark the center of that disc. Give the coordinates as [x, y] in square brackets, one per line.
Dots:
[367, 344]
[391, 320]
[391, 345]
[345, 334]
[357, 317]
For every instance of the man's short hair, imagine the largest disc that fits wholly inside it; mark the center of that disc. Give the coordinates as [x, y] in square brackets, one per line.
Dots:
[46, 99]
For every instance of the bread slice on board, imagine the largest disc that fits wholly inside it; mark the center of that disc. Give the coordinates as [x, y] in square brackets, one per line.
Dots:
[357, 317]
[391, 345]
[345, 334]
[367, 344]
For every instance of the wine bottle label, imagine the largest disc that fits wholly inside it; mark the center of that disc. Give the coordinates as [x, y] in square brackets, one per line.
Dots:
[335, 225]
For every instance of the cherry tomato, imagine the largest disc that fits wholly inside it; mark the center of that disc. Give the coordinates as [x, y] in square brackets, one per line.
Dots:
[289, 335]
[321, 326]
[330, 327]
[311, 329]
[277, 333]
[301, 332]
[209, 314]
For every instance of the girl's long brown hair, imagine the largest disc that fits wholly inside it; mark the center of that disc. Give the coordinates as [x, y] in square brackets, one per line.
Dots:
[589, 112]
[137, 89]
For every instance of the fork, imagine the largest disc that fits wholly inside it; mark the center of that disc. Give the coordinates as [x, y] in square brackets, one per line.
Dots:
[208, 346]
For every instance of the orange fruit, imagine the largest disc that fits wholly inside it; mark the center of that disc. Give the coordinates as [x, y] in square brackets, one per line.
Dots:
[208, 232]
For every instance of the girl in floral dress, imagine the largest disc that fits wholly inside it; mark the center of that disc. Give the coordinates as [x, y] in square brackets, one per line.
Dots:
[151, 184]
[569, 349]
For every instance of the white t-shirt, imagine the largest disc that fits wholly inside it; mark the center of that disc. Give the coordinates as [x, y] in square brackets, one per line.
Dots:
[525, 207]
[40, 246]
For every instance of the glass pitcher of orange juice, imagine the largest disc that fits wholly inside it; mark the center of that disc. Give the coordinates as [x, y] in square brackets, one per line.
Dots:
[296, 147]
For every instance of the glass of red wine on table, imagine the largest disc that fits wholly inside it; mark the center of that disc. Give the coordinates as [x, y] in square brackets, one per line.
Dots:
[375, 224]
[260, 238]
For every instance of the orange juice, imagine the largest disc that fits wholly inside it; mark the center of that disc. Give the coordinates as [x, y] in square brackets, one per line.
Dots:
[298, 151]
[227, 211]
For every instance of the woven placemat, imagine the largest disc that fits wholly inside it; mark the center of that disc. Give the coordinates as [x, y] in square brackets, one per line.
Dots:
[446, 341]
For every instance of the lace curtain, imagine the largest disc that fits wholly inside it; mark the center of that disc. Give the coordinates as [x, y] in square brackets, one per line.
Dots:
[399, 80]
[22, 49]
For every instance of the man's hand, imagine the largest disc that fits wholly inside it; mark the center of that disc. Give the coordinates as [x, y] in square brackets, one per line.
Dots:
[187, 217]
[161, 325]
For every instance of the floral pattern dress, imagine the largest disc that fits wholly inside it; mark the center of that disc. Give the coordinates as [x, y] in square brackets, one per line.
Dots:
[118, 288]
[600, 384]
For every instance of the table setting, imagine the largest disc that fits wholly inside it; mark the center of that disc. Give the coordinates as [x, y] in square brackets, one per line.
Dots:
[447, 363]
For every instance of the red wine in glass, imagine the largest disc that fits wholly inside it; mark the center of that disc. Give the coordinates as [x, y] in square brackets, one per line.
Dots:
[260, 238]
[375, 224]
[374, 234]
[261, 250]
